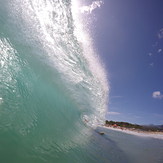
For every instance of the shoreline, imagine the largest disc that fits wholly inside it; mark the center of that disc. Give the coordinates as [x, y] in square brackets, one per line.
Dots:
[158, 135]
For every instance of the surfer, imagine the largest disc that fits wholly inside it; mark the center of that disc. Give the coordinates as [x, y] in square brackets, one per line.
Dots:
[101, 133]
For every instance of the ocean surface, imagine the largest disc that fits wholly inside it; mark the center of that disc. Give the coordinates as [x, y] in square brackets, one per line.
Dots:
[54, 90]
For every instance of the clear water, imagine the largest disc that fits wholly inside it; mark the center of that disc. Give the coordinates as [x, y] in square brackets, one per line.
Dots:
[53, 89]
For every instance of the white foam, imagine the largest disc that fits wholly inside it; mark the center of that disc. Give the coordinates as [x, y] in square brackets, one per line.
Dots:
[95, 64]
[1, 100]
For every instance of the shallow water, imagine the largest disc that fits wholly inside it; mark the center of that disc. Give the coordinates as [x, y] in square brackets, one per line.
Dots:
[136, 148]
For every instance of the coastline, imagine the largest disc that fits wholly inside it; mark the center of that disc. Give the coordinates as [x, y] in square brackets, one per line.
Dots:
[157, 135]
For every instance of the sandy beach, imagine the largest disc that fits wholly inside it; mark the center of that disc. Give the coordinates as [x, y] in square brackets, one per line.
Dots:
[158, 135]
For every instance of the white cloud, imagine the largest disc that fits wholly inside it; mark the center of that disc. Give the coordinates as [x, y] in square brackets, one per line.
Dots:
[114, 113]
[158, 115]
[151, 64]
[137, 117]
[159, 50]
[150, 54]
[157, 95]
[160, 34]
[90, 8]
[116, 97]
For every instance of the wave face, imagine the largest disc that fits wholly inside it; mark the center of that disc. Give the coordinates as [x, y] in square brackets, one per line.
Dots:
[53, 89]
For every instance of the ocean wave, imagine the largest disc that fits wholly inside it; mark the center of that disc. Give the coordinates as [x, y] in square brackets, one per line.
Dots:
[52, 84]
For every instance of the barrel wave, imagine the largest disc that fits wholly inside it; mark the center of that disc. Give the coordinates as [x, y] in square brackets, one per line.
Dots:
[53, 89]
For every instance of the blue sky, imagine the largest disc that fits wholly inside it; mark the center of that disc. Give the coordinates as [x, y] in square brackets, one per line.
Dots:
[128, 35]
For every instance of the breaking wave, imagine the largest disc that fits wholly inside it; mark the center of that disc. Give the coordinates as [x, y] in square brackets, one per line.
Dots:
[53, 88]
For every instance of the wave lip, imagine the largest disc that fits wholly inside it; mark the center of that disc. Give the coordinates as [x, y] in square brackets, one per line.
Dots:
[54, 28]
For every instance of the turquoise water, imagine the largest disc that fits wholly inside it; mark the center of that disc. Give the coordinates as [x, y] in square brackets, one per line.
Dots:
[53, 89]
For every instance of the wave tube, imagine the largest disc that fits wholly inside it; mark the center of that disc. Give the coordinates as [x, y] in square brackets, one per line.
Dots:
[52, 85]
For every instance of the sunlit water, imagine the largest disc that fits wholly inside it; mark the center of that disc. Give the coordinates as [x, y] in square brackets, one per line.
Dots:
[53, 89]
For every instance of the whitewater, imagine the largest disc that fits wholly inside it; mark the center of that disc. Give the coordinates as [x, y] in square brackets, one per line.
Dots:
[53, 87]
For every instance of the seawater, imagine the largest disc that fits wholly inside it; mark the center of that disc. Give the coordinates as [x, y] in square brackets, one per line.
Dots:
[53, 89]
[133, 148]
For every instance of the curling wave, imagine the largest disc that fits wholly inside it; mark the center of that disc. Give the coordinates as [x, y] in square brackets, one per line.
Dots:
[52, 83]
